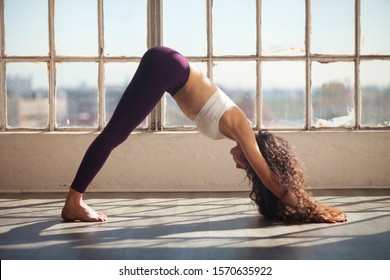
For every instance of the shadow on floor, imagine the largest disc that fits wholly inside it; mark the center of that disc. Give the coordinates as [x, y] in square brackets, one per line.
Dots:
[29, 231]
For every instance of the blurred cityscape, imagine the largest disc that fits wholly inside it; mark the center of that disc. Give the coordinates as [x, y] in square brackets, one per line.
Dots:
[332, 105]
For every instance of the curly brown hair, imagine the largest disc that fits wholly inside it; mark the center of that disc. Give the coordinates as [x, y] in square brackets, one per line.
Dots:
[288, 172]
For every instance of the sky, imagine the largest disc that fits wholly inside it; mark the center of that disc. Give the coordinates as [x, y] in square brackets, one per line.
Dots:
[234, 31]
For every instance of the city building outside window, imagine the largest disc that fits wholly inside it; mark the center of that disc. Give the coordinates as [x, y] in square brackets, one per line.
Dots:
[289, 64]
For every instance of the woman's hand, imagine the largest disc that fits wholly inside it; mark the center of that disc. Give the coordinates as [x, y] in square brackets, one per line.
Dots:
[314, 211]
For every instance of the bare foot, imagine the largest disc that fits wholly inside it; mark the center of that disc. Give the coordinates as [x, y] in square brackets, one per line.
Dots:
[76, 210]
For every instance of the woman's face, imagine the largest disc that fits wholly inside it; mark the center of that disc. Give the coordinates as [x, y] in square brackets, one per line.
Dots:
[239, 157]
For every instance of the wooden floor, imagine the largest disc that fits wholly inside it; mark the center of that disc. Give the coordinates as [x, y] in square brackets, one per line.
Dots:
[191, 226]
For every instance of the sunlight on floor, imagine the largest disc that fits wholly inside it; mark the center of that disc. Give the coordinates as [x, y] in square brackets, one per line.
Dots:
[188, 226]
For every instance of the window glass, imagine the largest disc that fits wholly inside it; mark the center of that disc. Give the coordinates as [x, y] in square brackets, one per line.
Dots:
[333, 29]
[174, 117]
[76, 27]
[234, 27]
[238, 81]
[125, 24]
[283, 29]
[185, 26]
[375, 89]
[333, 94]
[375, 25]
[27, 95]
[117, 78]
[283, 99]
[76, 95]
[26, 37]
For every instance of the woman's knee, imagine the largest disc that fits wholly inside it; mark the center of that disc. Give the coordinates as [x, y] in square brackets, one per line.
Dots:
[112, 136]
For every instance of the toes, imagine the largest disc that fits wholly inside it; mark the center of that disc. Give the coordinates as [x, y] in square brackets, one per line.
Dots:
[102, 219]
[95, 218]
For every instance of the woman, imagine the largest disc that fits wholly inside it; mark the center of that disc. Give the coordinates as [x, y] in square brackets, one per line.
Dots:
[216, 116]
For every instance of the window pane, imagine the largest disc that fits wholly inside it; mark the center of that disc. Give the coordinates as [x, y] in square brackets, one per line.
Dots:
[333, 30]
[125, 27]
[283, 23]
[76, 27]
[185, 26]
[27, 95]
[375, 24]
[238, 80]
[174, 117]
[283, 100]
[234, 27]
[22, 36]
[117, 78]
[375, 89]
[76, 95]
[333, 94]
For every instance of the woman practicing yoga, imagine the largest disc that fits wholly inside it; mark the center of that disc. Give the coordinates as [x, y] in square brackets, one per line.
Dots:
[278, 183]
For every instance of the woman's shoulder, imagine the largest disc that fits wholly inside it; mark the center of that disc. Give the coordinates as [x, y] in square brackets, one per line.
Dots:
[235, 123]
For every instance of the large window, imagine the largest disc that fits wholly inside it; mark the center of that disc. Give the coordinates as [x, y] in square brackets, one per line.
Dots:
[289, 64]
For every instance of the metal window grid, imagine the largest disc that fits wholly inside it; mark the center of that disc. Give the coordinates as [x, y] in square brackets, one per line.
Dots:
[155, 37]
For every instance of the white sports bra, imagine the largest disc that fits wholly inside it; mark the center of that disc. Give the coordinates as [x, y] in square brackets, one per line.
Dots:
[209, 116]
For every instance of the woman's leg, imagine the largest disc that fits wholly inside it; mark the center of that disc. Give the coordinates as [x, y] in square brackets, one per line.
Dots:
[161, 69]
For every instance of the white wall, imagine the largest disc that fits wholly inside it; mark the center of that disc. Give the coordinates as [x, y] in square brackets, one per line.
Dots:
[33, 162]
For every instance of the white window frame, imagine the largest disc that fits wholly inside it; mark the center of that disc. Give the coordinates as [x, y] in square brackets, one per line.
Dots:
[155, 38]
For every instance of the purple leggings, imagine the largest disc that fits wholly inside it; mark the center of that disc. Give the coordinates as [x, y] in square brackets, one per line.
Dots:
[161, 69]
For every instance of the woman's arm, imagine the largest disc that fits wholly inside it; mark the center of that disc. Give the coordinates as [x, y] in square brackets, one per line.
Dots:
[305, 208]
[235, 125]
